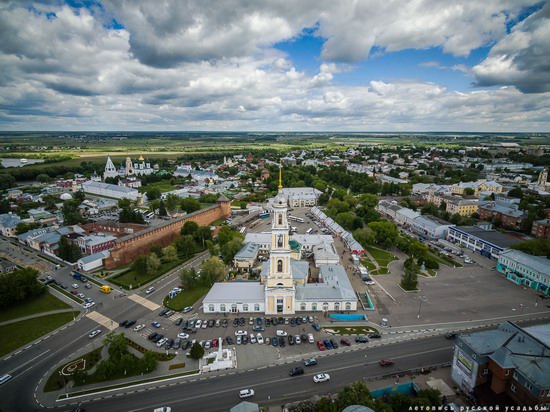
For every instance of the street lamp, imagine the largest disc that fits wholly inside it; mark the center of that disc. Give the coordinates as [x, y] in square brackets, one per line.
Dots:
[422, 299]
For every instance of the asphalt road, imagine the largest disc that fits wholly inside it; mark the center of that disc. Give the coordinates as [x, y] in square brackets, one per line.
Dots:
[30, 365]
[220, 393]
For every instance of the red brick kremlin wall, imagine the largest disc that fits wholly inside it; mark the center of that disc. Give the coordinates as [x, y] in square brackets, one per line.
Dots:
[127, 248]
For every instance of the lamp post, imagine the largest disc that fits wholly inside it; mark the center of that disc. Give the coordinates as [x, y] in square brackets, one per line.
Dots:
[422, 299]
[366, 368]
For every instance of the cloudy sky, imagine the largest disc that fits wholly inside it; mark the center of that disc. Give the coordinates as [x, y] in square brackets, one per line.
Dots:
[302, 65]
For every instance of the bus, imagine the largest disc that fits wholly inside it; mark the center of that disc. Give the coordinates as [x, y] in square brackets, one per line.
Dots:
[263, 215]
[308, 232]
[296, 219]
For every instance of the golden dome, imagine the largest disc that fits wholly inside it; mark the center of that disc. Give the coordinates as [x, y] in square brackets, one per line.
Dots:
[141, 159]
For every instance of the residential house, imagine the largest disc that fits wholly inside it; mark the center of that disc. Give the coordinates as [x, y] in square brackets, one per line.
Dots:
[6, 266]
[480, 186]
[525, 270]
[8, 224]
[541, 229]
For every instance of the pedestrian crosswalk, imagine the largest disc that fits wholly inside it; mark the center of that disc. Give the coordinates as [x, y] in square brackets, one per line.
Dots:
[144, 302]
[102, 320]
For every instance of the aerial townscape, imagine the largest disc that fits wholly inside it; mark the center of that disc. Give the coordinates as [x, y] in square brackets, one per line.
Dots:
[245, 207]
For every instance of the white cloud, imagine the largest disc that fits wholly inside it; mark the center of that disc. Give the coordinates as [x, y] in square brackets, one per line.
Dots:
[522, 57]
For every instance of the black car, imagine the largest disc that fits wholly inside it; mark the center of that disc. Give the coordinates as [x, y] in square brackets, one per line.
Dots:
[168, 344]
[123, 323]
[280, 320]
[177, 343]
[316, 326]
[229, 340]
[211, 323]
[179, 321]
[244, 339]
[298, 321]
[334, 344]
[241, 321]
[235, 322]
[292, 322]
[259, 321]
[186, 345]
[163, 312]
[296, 371]
[291, 340]
[282, 342]
[450, 335]
[267, 322]
[374, 335]
[304, 338]
[274, 321]
[157, 338]
[130, 323]
[274, 341]
[152, 336]
[361, 339]
[225, 323]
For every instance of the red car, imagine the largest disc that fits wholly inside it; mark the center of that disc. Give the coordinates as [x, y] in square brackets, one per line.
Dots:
[321, 345]
[386, 362]
[345, 342]
[215, 343]
[74, 292]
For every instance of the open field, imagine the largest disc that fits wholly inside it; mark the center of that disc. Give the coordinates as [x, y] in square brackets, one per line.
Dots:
[43, 303]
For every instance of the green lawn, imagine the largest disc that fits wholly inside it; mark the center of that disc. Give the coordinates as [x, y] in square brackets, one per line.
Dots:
[186, 298]
[136, 280]
[351, 330]
[21, 333]
[56, 382]
[43, 303]
[381, 256]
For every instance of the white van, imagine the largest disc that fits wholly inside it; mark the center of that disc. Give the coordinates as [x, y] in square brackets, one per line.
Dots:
[4, 378]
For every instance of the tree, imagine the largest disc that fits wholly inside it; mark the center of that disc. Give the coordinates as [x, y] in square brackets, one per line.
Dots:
[230, 249]
[346, 220]
[418, 249]
[190, 205]
[67, 250]
[186, 245]
[189, 228]
[212, 270]
[197, 351]
[71, 213]
[153, 193]
[162, 209]
[188, 278]
[365, 236]
[203, 234]
[139, 266]
[149, 361]
[23, 227]
[536, 247]
[172, 202]
[156, 249]
[43, 178]
[153, 264]
[469, 191]
[117, 345]
[243, 205]
[385, 233]
[409, 280]
[19, 285]
[7, 182]
[225, 235]
[170, 254]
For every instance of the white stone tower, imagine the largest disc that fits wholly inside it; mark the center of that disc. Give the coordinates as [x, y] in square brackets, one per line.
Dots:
[110, 169]
[543, 178]
[279, 285]
[129, 167]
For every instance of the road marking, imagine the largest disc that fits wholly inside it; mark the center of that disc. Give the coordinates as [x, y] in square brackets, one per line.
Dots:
[29, 361]
[144, 302]
[102, 320]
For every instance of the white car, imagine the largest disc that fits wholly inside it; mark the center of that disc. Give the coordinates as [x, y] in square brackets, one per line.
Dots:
[239, 339]
[75, 285]
[149, 290]
[163, 409]
[370, 282]
[241, 333]
[310, 338]
[321, 377]
[94, 333]
[198, 323]
[208, 344]
[246, 393]
[139, 327]
[183, 335]
[297, 339]
[88, 305]
[162, 342]
[252, 338]
[281, 333]
[260, 339]
[204, 325]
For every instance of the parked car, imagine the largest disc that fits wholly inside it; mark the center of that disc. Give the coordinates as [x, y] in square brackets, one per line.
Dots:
[241, 333]
[88, 285]
[328, 345]
[123, 323]
[139, 327]
[183, 335]
[321, 377]
[187, 309]
[94, 333]
[374, 335]
[252, 338]
[155, 324]
[211, 323]
[169, 313]
[163, 312]
[345, 342]
[260, 338]
[225, 323]
[321, 345]
[450, 335]
[81, 296]
[208, 344]
[218, 323]
[215, 343]
[281, 333]
[130, 324]
[386, 362]
[296, 371]
[179, 321]
[361, 339]
[198, 323]
[152, 335]
[241, 322]
[75, 285]
[310, 362]
[316, 326]
[168, 344]
[235, 322]
[334, 344]
[229, 340]
[246, 393]
[258, 329]
[177, 343]
[282, 343]
[239, 339]
[74, 292]
[310, 338]
[297, 339]
[161, 342]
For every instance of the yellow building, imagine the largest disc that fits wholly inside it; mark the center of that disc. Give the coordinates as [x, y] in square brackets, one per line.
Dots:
[462, 207]
[480, 186]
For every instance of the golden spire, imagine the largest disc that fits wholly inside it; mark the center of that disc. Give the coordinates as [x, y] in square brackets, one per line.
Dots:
[280, 176]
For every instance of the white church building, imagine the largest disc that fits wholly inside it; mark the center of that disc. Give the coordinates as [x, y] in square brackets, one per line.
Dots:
[284, 287]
